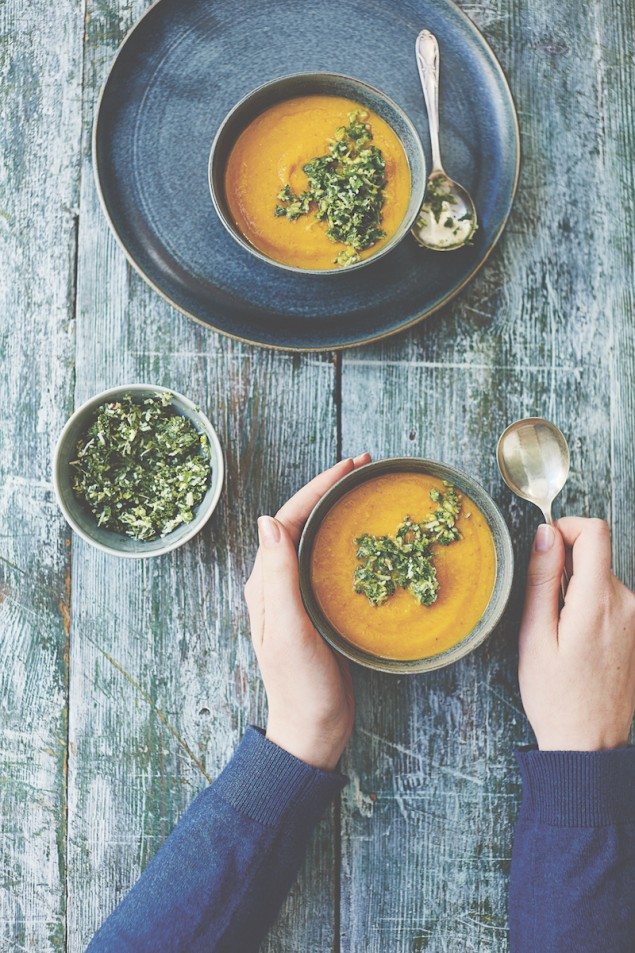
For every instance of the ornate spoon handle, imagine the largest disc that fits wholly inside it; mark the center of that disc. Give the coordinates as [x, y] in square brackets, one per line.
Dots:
[427, 51]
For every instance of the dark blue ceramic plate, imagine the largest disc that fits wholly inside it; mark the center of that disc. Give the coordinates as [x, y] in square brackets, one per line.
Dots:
[180, 71]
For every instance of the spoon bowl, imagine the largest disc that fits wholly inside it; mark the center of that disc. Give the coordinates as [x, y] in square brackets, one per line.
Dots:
[447, 218]
[533, 458]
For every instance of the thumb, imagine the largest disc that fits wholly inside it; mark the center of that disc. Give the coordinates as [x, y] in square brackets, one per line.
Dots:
[542, 598]
[281, 586]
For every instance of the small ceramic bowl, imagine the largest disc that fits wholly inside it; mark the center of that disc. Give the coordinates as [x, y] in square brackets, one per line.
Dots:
[502, 583]
[306, 84]
[79, 516]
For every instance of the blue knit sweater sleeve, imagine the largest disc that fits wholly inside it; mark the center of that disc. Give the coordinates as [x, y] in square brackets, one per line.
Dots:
[572, 884]
[219, 879]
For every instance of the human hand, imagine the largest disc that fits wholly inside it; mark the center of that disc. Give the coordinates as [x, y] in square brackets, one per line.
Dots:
[577, 665]
[309, 688]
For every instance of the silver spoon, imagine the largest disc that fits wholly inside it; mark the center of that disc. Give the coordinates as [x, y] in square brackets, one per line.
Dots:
[447, 219]
[533, 458]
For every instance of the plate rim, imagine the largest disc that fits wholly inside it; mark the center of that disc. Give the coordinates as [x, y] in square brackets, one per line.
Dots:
[306, 349]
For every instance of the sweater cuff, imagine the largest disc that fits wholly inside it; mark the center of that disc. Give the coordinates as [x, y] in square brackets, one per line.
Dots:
[578, 788]
[269, 784]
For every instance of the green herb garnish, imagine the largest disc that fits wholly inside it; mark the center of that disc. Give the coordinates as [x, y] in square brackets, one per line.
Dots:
[406, 560]
[435, 196]
[141, 468]
[294, 206]
[345, 189]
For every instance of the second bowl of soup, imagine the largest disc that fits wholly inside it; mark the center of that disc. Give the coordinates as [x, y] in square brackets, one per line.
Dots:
[317, 173]
[406, 565]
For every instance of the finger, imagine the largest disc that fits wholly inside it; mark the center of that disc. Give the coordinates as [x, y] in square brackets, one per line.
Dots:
[253, 587]
[590, 542]
[542, 597]
[283, 606]
[295, 511]
[255, 606]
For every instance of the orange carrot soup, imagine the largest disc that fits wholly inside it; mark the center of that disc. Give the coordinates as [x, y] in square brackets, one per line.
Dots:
[403, 566]
[346, 207]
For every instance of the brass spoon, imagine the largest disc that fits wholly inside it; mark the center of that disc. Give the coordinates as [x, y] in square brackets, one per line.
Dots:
[447, 219]
[533, 458]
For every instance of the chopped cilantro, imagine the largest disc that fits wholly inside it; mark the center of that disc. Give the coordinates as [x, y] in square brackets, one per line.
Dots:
[436, 195]
[346, 257]
[406, 560]
[141, 468]
[346, 189]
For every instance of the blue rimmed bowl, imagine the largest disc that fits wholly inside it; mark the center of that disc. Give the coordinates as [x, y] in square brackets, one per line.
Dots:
[308, 84]
[503, 579]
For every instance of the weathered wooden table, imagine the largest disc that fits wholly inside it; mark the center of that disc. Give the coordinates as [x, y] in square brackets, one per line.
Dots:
[124, 686]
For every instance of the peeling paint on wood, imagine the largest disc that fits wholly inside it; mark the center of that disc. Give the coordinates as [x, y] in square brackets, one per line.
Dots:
[40, 89]
[139, 677]
[163, 679]
[546, 330]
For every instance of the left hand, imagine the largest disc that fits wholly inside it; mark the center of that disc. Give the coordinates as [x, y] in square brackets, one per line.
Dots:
[309, 689]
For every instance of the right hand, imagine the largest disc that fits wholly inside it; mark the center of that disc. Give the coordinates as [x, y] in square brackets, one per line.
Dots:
[577, 664]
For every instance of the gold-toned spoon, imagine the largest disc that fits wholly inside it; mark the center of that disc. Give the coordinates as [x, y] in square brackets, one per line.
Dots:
[447, 219]
[533, 458]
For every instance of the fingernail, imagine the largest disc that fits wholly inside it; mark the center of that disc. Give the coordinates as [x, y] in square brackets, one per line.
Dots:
[268, 531]
[357, 460]
[544, 538]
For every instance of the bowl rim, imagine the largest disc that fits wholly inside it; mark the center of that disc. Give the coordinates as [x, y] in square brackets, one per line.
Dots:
[494, 609]
[217, 459]
[407, 221]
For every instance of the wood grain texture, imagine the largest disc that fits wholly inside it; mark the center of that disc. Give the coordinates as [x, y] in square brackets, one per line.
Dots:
[147, 666]
[40, 83]
[427, 822]
[616, 106]
[163, 679]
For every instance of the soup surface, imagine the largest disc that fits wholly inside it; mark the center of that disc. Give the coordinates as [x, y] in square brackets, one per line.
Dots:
[402, 628]
[272, 152]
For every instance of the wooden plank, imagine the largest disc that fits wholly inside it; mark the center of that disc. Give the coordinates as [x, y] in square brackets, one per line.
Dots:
[163, 679]
[40, 81]
[162, 675]
[616, 105]
[426, 834]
